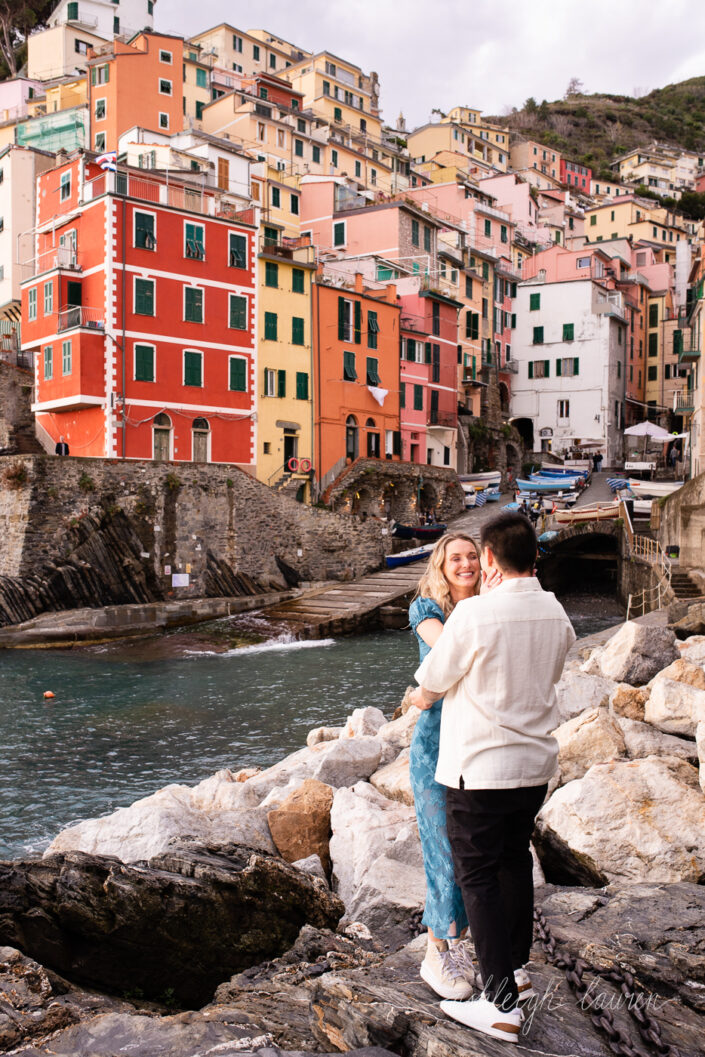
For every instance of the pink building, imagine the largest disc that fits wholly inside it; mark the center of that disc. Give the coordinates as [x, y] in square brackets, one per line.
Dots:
[575, 175]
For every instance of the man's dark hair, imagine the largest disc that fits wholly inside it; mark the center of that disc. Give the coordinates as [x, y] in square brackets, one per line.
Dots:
[512, 540]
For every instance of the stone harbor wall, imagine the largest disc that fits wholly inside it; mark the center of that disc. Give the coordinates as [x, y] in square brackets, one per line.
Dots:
[683, 522]
[398, 490]
[16, 419]
[81, 532]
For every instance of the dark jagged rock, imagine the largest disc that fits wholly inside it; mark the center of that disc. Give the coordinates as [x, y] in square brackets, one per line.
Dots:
[183, 922]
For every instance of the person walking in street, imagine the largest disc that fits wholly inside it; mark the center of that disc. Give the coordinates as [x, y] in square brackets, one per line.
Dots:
[496, 664]
[62, 447]
[453, 574]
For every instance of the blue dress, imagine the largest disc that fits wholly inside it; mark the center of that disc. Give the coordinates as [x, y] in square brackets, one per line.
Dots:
[445, 913]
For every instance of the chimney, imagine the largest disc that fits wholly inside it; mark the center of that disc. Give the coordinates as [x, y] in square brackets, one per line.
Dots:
[359, 287]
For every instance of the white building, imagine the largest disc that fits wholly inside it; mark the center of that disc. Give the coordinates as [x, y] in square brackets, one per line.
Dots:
[19, 168]
[570, 347]
[106, 18]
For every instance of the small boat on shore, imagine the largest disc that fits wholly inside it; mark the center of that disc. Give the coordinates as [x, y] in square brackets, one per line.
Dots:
[483, 480]
[653, 489]
[470, 494]
[407, 557]
[492, 495]
[595, 512]
[418, 532]
[547, 484]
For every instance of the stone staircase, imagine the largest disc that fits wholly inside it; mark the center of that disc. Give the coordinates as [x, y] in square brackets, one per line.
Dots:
[24, 441]
[288, 485]
[682, 585]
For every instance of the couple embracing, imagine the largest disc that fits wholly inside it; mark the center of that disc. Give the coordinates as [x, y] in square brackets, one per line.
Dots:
[492, 646]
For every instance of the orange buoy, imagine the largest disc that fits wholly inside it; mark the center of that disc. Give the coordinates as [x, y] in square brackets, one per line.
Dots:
[48, 694]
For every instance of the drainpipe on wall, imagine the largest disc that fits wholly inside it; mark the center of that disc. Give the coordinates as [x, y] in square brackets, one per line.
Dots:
[313, 425]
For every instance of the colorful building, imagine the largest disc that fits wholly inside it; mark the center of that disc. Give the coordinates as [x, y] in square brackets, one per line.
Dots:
[102, 18]
[141, 313]
[577, 176]
[19, 169]
[528, 154]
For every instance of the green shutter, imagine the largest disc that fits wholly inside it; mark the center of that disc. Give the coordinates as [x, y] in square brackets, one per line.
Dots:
[341, 319]
[238, 375]
[358, 323]
[372, 330]
[281, 383]
[558, 368]
[547, 368]
[418, 398]
[144, 297]
[144, 231]
[297, 331]
[238, 312]
[270, 326]
[195, 246]
[427, 352]
[531, 369]
[567, 332]
[297, 281]
[576, 366]
[349, 372]
[372, 371]
[192, 368]
[238, 251]
[271, 274]
[514, 321]
[144, 363]
[402, 395]
[193, 307]
[301, 385]
[538, 335]
[534, 302]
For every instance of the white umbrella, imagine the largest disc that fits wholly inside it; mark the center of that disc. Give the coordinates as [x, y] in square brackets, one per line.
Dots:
[648, 429]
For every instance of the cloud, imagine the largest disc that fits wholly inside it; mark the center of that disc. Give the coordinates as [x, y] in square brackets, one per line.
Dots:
[488, 54]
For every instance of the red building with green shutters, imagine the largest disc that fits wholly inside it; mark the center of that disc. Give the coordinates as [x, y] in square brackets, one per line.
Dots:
[140, 311]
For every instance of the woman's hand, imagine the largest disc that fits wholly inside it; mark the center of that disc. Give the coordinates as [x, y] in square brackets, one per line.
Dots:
[418, 699]
[491, 581]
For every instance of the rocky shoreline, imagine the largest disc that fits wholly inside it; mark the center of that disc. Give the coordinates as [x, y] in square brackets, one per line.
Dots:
[278, 911]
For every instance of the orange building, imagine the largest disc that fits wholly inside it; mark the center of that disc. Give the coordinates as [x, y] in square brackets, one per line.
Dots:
[356, 372]
[135, 84]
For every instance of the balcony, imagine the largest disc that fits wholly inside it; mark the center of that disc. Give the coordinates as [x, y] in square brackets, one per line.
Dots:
[191, 198]
[688, 350]
[300, 250]
[512, 366]
[62, 257]
[684, 402]
[77, 316]
[611, 305]
[441, 419]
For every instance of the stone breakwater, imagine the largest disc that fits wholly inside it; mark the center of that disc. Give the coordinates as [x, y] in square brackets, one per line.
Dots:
[288, 900]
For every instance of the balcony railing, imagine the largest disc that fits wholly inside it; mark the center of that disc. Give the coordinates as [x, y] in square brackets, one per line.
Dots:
[684, 402]
[188, 197]
[299, 250]
[78, 316]
[512, 366]
[56, 257]
[444, 419]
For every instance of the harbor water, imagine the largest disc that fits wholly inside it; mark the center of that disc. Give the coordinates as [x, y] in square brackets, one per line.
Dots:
[130, 718]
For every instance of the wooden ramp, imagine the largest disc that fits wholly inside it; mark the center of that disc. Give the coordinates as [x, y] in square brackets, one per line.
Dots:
[339, 607]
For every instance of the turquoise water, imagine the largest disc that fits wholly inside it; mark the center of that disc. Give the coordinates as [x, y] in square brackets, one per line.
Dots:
[131, 718]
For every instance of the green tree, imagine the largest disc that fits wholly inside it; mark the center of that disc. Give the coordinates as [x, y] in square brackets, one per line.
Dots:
[531, 105]
[17, 19]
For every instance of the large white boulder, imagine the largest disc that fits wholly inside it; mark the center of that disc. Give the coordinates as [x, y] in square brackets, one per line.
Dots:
[393, 780]
[578, 691]
[641, 739]
[217, 811]
[674, 707]
[637, 652]
[343, 761]
[376, 855]
[363, 722]
[640, 820]
[592, 737]
[693, 649]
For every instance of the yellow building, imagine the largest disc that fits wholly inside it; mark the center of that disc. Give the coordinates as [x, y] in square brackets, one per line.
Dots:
[428, 141]
[528, 154]
[197, 87]
[60, 51]
[637, 218]
[286, 266]
[339, 92]
[64, 94]
[246, 51]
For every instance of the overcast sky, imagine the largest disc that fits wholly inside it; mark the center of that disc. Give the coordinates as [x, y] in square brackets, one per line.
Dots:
[488, 54]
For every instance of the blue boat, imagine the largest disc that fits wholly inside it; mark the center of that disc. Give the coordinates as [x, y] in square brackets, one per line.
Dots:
[407, 557]
[561, 473]
[559, 482]
[546, 484]
[492, 495]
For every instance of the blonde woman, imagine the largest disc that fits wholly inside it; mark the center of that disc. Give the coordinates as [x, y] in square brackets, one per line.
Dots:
[453, 574]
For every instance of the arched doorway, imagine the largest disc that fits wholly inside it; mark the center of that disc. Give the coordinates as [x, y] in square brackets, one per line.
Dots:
[352, 442]
[525, 429]
[428, 499]
[162, 438]
[200, 434]
[373, 447]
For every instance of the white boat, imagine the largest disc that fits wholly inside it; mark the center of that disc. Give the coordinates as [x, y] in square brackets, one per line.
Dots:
[595, 512]
[470, 494]
[483, 480]
[653, 489]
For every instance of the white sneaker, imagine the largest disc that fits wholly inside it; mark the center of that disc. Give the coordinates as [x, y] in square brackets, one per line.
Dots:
[486, 1017]
[462, 951]
[524, 985]
[443, 975]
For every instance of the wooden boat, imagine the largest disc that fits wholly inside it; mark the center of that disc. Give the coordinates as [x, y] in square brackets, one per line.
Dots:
[407, 557]
[546, 484]
[492, 495]
[561, 473]
[491, 477]
[418, 532]
[653, 489]
[595, 512]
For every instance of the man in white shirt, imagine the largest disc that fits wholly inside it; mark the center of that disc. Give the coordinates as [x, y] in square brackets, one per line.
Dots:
[496, 664]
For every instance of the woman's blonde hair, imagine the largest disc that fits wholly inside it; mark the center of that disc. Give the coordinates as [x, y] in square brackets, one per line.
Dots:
[433, 583]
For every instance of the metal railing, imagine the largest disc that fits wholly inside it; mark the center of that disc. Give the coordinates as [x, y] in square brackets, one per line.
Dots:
[650, 551]
[684, 401]
[56, 257]
[78, 316]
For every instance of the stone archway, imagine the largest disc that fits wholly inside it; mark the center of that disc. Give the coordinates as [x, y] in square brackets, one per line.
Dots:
[428, 498]
[525, 429]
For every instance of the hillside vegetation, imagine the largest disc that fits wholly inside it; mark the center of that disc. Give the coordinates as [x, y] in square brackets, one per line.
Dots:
[594, 129]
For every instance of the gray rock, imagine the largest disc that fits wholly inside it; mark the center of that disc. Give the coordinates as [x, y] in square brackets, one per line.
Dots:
[592, 737]
[337, 763]
[312, 865]
[578, 691]
[393, 780]
[674, 707]
[637, 652]
[319, 734]
[641, 739]
[363, 721]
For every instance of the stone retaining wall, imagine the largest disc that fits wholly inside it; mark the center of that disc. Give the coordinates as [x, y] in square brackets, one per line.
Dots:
[399, 490]
[683, 522]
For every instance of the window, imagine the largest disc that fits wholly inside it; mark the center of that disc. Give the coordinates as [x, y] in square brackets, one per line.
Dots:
[270, 326]
[299, 148]
[539, 368]
[337, 114]
[238, 312]
[163, 119]
[281, 383]
[271, 274]
[373, 177]
[538, 336]
[503, 233]
[418, 398]
[72, 12]
[193, 368]
[349, 371]
[66, 357]
[653, 315]
[316, 155]
[653, 344]
[436, 319]
[261, 132]
[144, 231]
[415, 233]
[472, 325]
[468, 286]
[339, 233]
[294, 204]
[193, 304]
[237, 43]
[270, 382]
[436, 364]
[263, 92]
[144, 297]
[99, 143]
[593, 219]
[652, 374]
[534, 302]
[237, 255]
[255, 52]
[201, 78]
[301, 385]
[334, 158]
[582, 262]
[485, 308]
[276, 198]
[100, 109]
[272, 62]
[411, 350]
[372, 330]
[564, 408]
[144, 363]
[568, 331]
[150, 7]
[427, 239]
[165, 56]
[297, 330]
[402, 395]
[48, 363]
[32, 304]
[165, 87]
[194, 241]
[372, 374]
[326, 87]
[568, 367]
[297, 280]
[237, 375]
[65, 186]
[48, 298]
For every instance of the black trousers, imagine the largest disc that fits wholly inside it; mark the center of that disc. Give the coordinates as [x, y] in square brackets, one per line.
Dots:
[489, 832]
